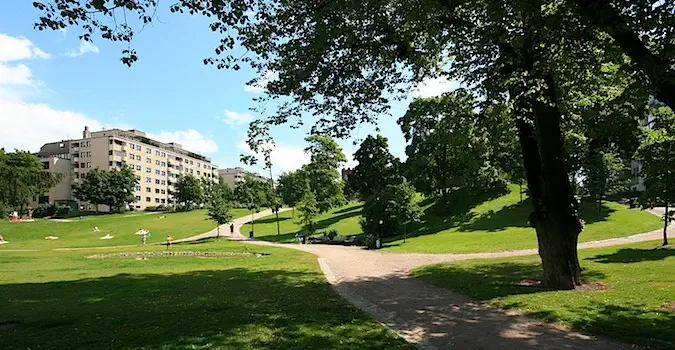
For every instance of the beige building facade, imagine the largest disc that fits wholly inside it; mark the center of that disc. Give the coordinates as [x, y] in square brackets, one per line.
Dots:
[233, 176]
[156, 165]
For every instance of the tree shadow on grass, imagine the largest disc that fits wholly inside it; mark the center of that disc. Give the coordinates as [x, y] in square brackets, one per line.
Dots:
[271, 220]
[325, 223]
[236, 308]
[486, 281]
[349, 209]
[634, 255]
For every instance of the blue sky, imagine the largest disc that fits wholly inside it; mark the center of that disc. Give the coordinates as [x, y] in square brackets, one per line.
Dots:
[51, 85]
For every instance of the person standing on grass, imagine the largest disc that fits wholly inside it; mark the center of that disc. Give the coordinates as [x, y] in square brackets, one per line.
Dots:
[144, 238]
[169, 241]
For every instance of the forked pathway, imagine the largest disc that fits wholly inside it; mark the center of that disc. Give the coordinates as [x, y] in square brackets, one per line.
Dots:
[431, 317]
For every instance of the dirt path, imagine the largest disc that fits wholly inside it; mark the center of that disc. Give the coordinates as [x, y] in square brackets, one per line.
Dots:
[435, 318]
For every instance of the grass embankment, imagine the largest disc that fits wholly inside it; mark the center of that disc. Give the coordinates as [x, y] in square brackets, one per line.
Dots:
[493, 225]
[630, 295]
[65, 300]
[78, 233]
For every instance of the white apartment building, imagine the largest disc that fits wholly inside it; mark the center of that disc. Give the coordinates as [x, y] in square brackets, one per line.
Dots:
[234, 176]
[157, 165]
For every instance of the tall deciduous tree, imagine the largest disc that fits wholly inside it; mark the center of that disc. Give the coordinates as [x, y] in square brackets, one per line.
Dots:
[388, 212]
[376, 168]
[326, 157]
[309, 210]
[605, 173]
[189, 191]
[119, 188]
[219, 206]
[22, 177]
[292, 187]
[447, 152]
[253, 193]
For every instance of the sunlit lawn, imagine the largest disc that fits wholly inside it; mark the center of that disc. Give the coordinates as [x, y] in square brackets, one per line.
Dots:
[633, 301]
[78, 233]
[494, 225]
[64, 300]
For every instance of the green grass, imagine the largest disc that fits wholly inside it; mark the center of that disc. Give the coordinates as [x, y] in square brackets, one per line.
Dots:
[494, 225]
[78, 233]
[345, 220]
[63, 300]
[639, 282]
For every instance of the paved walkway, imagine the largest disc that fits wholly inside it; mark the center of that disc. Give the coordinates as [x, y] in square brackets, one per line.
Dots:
[436, 318]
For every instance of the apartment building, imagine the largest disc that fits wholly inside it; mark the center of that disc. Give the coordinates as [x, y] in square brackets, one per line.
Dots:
[234, 176]
[157, 165]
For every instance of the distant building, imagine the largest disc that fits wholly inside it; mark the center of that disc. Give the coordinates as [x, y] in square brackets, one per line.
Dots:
[234, 176]
[346, 172]
[157, 165]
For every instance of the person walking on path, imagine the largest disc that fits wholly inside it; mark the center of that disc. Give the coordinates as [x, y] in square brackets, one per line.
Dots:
[169, 241]
[144, 238]
[232, 229]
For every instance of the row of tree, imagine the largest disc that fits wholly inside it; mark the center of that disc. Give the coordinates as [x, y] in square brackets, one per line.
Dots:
[22, 179]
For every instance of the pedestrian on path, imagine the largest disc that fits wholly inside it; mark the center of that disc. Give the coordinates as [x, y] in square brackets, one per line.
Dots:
[144, 237]
[232, 229]
[169, 241]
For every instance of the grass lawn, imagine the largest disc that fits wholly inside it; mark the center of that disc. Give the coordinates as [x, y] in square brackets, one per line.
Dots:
[78, 233]
[64, 300]
[345, 220]
[494, 225]
[633, 300]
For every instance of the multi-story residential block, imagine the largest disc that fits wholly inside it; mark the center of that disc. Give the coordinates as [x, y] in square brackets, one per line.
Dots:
[157, 165]
[234, 176]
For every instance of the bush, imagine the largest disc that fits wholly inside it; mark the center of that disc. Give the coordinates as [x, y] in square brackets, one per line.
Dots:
[160, 207]
[62, 210]
[332, 234]
[44, 210]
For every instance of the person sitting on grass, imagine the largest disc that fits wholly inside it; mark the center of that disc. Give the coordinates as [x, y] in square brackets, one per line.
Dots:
[2, 239]
[95, 229]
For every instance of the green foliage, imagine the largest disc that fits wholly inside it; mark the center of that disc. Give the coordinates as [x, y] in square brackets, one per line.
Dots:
[22, 177]
[309, 210]
[322, 171]
[45, 210]
[605, 173]
[252, 192]
[448, 153]
[189, 191]
[388, 212]
[113, 188]
[376, 168]
[292, 186]
[657, 155]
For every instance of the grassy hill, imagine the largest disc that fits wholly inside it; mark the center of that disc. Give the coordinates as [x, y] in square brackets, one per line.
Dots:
[78, 233]
[493, 225]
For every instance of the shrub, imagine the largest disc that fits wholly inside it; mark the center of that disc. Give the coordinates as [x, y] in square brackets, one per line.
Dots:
[62, 210]
[332, 234]
[44, 210]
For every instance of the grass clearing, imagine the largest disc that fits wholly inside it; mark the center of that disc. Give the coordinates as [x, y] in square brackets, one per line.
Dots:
[630, 295]
[494, 225]
[64, 300]
[78, 233]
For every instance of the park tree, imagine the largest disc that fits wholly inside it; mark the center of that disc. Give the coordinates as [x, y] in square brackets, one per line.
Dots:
[343, 63]
[309, 210]
[388, 212]
[657, 155]
[92, 188]
[604, 173]
[448, 152]
[189, 191]
[22, 177]
[291, 187]
[253, 193]
[119, 188]
[219, 205]
[322, 173]
[376, 168]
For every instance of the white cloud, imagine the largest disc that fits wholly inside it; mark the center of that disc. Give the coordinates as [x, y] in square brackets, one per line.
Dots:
[232, 118]
[261, 84]
[433, 87]
[284, 157]
[85, 47]
[19, 48]
[19, 74]
[190, 139]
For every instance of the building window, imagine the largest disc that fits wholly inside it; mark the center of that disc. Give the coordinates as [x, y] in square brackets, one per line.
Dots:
[163, 163]
[157, 162]
[131, 145]
[163, 182]
[138, 188]
[163, 154]
[148, 150]
[88, 165]
[157, 190]
[147, 170]
[138, 157]
[157, 172]
[157, 200]
[138, 167]
[148, 189]
[138, 198]
[163, 201]
[163, 191]
[81, 165]
[82, 176]
[191, 162]
[148, 180]
[163, 173]
[138, 178]
[156, 182]
[198, 173]
[138, 147]
[148, 160]
[147, 199]
[157, 153]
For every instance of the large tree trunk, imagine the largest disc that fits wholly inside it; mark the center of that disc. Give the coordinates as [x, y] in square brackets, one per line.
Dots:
[601, 15]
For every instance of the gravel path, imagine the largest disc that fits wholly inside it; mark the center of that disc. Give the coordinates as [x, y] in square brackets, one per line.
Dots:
[435, 318]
